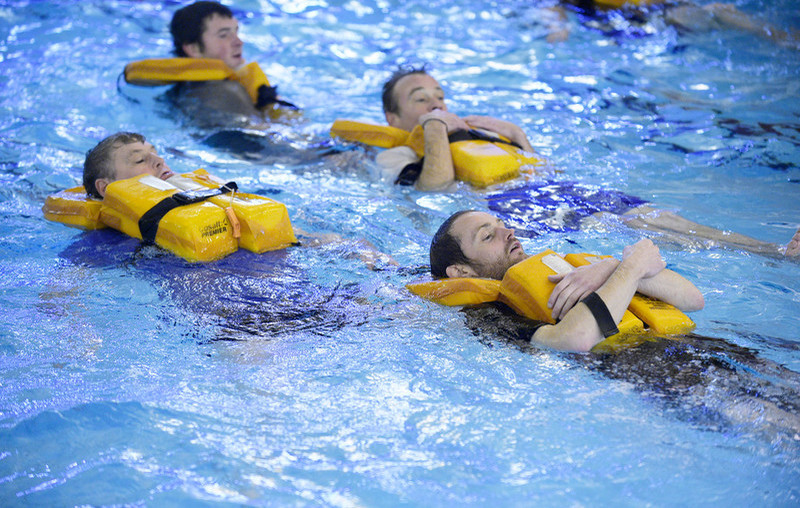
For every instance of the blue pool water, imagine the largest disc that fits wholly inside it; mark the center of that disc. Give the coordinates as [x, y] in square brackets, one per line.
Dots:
[302, 377]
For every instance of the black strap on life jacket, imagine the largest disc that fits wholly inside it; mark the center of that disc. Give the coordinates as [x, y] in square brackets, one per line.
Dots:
[148, 223]
[472, 134]
[269, 95]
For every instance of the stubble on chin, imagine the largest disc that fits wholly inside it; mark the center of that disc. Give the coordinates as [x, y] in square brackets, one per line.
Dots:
[496, 270]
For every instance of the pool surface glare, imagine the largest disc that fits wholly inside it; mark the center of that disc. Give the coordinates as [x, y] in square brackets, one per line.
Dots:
[304, 378]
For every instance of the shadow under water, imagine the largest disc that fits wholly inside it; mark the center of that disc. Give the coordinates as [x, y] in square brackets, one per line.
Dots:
[708, 382]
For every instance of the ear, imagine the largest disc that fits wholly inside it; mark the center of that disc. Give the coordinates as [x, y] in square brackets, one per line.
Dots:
[193, 50]
[100, 184]
[392, 119]
[459, 271]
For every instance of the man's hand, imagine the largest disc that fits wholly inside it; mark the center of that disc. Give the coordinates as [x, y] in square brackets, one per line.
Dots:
[576, 285]
[507, 129]
[453, 122]
[644, 255]
[793, 247]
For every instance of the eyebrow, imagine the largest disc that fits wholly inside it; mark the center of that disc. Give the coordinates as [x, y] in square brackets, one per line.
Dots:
[228, 29]
[413, 90]
[484, 226]
[137, 152]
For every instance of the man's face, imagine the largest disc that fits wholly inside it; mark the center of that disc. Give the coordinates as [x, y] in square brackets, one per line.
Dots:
[220, 40]
[488, 244]
[139, 158]
[415, 95]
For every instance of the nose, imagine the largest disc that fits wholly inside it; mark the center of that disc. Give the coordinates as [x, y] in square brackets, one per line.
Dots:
[237, 41]
[156, 161]
[438, 104]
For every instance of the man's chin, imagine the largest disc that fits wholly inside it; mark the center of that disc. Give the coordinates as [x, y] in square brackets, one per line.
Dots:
[517, 254]
[235, 63]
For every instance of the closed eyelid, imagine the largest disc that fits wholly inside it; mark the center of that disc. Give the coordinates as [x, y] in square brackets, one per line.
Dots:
[142, 155]
[483, 231]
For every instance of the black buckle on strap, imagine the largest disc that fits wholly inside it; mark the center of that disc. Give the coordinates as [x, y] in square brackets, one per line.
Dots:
[148, 223]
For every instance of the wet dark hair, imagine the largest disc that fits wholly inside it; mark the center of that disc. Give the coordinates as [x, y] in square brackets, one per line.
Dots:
[389, 103]
[189, 23]
[98, 163]
[445, 249]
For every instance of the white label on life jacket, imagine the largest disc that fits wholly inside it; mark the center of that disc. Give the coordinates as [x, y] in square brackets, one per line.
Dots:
[184, 184]
[593, 259]
[557, 264]
[156, 183]
[216, 179]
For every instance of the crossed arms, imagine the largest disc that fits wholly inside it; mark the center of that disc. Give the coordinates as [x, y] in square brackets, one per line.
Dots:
[642, 269]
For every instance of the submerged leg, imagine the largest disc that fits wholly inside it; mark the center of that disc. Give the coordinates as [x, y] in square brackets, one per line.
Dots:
[727, 15]
[646, 217]
[721, 16]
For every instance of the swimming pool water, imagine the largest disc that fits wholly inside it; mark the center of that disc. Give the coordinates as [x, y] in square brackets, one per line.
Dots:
[303, 377]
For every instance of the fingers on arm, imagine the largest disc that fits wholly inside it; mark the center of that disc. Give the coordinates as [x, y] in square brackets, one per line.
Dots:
[564, 302]
[567, 294]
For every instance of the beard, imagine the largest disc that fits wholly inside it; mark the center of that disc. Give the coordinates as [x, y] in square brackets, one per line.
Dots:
[493, 270]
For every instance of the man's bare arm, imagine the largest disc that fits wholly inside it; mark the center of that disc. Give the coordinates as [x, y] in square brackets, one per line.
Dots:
[437, 168]
[579, 331]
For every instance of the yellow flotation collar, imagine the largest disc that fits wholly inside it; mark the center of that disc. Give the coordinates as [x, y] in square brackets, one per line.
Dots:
[525, 288]
[476, 161]
[167, 71]
[200, 231]
[75, 208]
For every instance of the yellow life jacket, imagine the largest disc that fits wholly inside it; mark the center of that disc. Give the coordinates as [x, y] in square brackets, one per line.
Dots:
[476, 161]
[264, 222]
[525, 288]
[75, 208]
[166, 71]
[203, 230]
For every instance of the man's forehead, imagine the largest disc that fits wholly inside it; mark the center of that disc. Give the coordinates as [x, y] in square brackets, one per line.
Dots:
[222, 23]
[414, 82]
[469, 224]
[130, 149]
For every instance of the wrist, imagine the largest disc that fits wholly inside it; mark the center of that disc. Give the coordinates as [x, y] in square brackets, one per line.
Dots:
[630, 268]
[427, 121]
